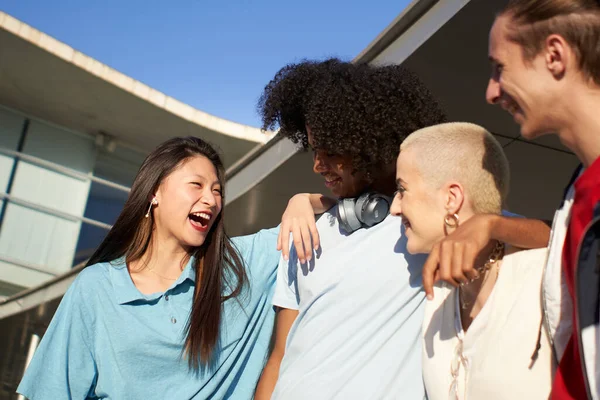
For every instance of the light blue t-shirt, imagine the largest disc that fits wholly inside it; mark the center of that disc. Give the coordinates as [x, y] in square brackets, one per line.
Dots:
[109, 341]
[358, 332]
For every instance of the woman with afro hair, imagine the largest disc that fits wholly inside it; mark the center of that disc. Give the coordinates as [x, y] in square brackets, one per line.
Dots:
[354, 110]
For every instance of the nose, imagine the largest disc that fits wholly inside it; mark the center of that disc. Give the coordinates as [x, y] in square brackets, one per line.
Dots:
[209, 198]
[493, 91]
[396, 208]
[318, 163]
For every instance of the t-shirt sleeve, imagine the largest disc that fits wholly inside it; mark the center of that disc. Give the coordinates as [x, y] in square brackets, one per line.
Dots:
[286, 288]
[63, 366]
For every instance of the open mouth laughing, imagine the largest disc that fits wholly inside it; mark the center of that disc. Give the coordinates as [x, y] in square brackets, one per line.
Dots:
[200, 220]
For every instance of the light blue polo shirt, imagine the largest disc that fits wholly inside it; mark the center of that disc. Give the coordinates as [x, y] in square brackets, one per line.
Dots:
[109, 341]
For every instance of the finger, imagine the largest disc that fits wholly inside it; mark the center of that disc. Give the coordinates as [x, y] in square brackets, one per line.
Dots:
[314, 234]
[285, 240]
[457, 264]
[436, 276]
[297, 238]
[430, 269]
[469, 256]
[306, 240]
[279, 237]
[446, 250]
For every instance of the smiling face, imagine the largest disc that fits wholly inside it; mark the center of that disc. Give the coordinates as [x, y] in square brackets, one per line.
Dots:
[421, 206]
[337, 172]
[189, 201]
[525, 89]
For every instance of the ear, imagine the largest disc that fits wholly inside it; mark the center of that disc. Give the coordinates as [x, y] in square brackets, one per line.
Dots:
[455, 197]
[557, 55]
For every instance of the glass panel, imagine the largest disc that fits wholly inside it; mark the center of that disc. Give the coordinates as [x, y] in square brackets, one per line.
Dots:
[11, 127]
[36, 237]
[60, 146]
[120, 166]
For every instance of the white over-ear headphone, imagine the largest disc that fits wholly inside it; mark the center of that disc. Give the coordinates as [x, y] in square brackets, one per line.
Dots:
[367, 210]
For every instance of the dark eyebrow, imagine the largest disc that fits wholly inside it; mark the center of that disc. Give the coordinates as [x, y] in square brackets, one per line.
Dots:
[400, 182]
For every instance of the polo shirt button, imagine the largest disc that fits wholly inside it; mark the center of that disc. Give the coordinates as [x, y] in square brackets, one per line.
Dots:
[167, 297]
[173, 320]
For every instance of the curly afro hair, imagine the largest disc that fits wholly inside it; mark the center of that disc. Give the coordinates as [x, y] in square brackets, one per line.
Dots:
[354, 110]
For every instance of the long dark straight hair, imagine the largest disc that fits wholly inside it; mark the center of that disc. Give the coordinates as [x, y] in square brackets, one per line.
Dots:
[217, 263]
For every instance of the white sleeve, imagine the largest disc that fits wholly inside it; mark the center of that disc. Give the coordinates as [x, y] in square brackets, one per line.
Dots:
[286, 288]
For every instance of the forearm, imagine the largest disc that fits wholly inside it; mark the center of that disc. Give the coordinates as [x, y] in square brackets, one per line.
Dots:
[520, 232]
[268, 379]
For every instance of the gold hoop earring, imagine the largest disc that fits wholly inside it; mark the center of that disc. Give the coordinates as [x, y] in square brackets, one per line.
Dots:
[152, 203]
[451, 220]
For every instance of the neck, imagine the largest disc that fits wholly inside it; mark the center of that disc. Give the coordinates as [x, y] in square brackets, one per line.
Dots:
[165, 256]
[473, 296]
[473, 289]
[581, 123]
[385, 184]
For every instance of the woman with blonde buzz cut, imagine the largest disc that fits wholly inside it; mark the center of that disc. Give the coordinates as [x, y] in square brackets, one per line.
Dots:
[484, 339]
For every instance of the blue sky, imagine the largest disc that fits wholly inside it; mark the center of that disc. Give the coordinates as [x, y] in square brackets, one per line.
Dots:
[215, 55]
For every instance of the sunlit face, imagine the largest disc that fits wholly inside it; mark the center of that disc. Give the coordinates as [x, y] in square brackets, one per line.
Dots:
[337, 172]
[525, 89]
[421, 206]
[189, 201]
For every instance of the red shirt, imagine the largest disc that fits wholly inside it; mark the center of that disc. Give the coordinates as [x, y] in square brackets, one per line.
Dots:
[569, 382]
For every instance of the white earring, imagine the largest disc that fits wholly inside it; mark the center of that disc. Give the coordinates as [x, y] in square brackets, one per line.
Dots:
[152, 203]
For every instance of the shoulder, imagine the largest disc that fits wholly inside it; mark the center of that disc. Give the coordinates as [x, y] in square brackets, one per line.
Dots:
[85, 299]
[523, 256]
[328, 218]
[93, 273]
[93, 284]
[526, 261]
[265, 239]
[259, 251]
[94, 277]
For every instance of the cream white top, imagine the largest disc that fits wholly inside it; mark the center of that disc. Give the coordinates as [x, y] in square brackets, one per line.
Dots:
[493, 359]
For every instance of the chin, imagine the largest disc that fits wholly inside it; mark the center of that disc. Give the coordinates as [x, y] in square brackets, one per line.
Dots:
[414, 247]
[194, 240]
[194, 243]
[531, 132]
[341, 192]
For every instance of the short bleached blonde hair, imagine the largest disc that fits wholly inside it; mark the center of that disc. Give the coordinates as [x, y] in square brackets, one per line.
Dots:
[464, 152]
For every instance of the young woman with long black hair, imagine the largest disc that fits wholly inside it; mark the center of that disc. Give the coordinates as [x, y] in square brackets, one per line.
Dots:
[169, 306]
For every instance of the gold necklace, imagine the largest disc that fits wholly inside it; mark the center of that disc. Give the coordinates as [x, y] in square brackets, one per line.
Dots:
[160, 276]
[496, 255]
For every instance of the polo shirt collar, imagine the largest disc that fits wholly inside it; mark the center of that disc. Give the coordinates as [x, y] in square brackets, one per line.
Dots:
[125, 290]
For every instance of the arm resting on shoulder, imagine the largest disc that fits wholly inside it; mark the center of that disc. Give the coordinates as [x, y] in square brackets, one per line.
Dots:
[520, 232]
[266, 384]
[299, 220]
[453, 258]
